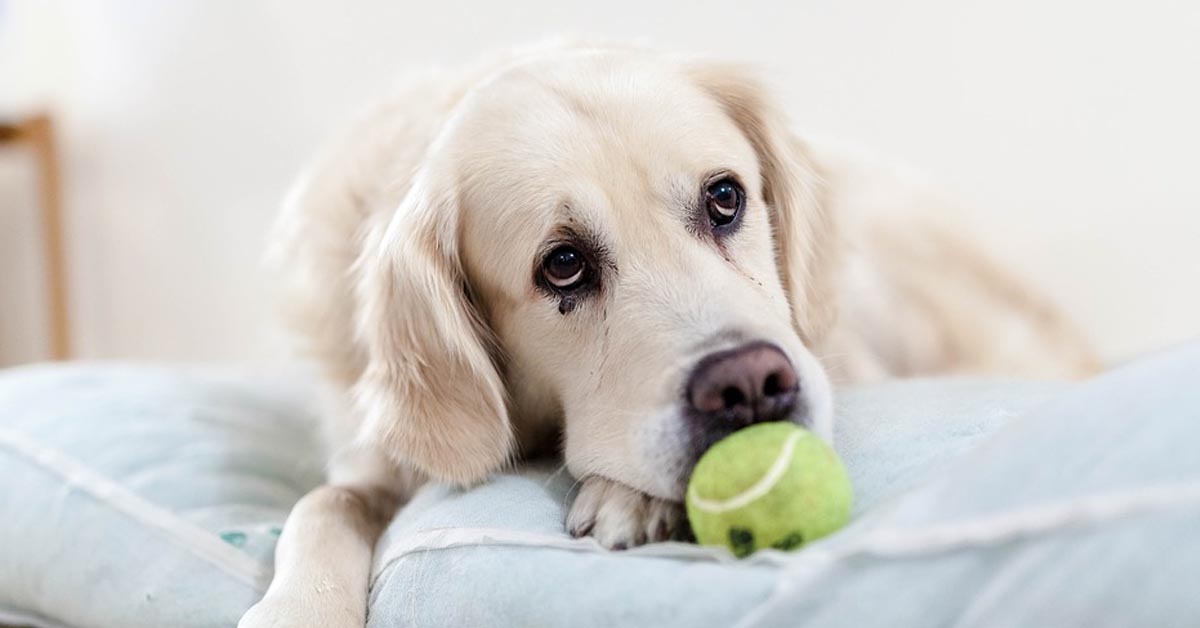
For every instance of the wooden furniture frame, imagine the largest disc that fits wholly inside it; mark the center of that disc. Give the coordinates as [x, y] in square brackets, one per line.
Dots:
[37, 134]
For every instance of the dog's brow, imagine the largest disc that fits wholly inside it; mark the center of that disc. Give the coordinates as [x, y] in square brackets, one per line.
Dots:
[721, 338]
[584, 237]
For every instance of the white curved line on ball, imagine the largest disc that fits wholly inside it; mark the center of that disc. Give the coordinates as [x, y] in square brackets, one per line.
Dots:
[758, 489]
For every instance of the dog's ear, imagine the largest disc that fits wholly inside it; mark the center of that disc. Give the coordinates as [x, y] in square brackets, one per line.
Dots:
[430, 395]
[805, 234]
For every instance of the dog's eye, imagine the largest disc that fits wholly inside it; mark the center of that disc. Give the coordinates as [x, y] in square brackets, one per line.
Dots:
[564, 267]
[725, 200]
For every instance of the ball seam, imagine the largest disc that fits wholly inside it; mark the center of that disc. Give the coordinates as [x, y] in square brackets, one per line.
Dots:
[756, 490]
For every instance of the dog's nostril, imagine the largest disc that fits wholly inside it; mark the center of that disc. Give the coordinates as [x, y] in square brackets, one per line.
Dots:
[732, 397]
[771, 385]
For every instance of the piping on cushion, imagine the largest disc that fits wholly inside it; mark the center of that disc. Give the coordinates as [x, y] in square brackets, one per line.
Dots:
[200, 542]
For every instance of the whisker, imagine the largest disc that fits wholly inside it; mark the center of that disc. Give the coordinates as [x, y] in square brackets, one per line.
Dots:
[567, 495]
[557, 472]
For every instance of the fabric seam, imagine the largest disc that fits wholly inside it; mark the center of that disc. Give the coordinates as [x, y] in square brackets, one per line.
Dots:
[987, 531]
[980, 531]
[198, 541]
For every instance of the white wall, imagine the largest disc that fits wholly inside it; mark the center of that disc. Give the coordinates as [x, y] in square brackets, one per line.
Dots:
[1070, 128]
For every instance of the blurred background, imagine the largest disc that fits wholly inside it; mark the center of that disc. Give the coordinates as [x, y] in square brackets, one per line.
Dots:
[1069, 131]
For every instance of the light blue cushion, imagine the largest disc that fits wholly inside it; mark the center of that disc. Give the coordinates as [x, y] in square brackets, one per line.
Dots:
[136, 496]
[140, 496]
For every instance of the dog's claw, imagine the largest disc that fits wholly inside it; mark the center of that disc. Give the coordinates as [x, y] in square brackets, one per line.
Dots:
[583, 529]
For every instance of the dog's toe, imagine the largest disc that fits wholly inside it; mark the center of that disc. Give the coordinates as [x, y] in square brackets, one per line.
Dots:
[665, 521]
[581, 519]
[619, 517]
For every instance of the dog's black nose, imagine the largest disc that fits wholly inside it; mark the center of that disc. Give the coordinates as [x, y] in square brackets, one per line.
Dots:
[749, 384]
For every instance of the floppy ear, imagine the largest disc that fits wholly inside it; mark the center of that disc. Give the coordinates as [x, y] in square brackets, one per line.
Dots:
[430, 395]
[805, 234]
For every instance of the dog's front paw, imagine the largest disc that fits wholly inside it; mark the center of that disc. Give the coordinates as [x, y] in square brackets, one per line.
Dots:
[619, 517]
[282, 611]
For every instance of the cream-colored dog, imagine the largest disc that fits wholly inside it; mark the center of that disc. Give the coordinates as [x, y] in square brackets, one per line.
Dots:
[623, 252]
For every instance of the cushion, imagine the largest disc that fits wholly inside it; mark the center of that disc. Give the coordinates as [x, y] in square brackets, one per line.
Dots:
[151, 496]
[140, 496]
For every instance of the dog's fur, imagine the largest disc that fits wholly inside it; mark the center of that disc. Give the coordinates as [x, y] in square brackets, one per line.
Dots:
[412, 251]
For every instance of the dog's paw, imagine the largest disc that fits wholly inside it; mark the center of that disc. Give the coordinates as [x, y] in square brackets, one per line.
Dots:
[281, 611]
[619, 517]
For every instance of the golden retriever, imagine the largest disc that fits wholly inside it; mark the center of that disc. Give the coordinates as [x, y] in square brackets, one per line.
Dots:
[615, 251]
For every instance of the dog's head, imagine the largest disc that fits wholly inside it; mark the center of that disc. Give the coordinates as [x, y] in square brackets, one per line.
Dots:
[624, 241]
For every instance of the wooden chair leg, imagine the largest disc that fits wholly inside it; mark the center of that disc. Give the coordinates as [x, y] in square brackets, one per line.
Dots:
[42, 131]
[38, 132]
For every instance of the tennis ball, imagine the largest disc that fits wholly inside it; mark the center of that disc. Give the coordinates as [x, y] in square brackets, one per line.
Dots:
[768, 485]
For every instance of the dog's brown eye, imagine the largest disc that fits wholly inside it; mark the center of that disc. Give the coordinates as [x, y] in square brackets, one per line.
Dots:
[564, 267]
[725, 199]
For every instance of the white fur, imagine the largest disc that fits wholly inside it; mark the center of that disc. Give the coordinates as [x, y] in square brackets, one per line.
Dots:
[409, 255]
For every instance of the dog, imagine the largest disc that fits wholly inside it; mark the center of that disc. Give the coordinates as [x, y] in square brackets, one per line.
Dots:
[613, 252]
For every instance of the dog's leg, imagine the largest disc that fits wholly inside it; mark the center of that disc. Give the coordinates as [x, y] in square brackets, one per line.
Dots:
[323, 558]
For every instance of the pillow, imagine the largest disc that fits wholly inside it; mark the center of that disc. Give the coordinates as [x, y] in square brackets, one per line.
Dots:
[151, 496]
[145, 496]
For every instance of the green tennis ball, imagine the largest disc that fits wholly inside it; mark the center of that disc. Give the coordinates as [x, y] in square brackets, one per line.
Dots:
[769, 485]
